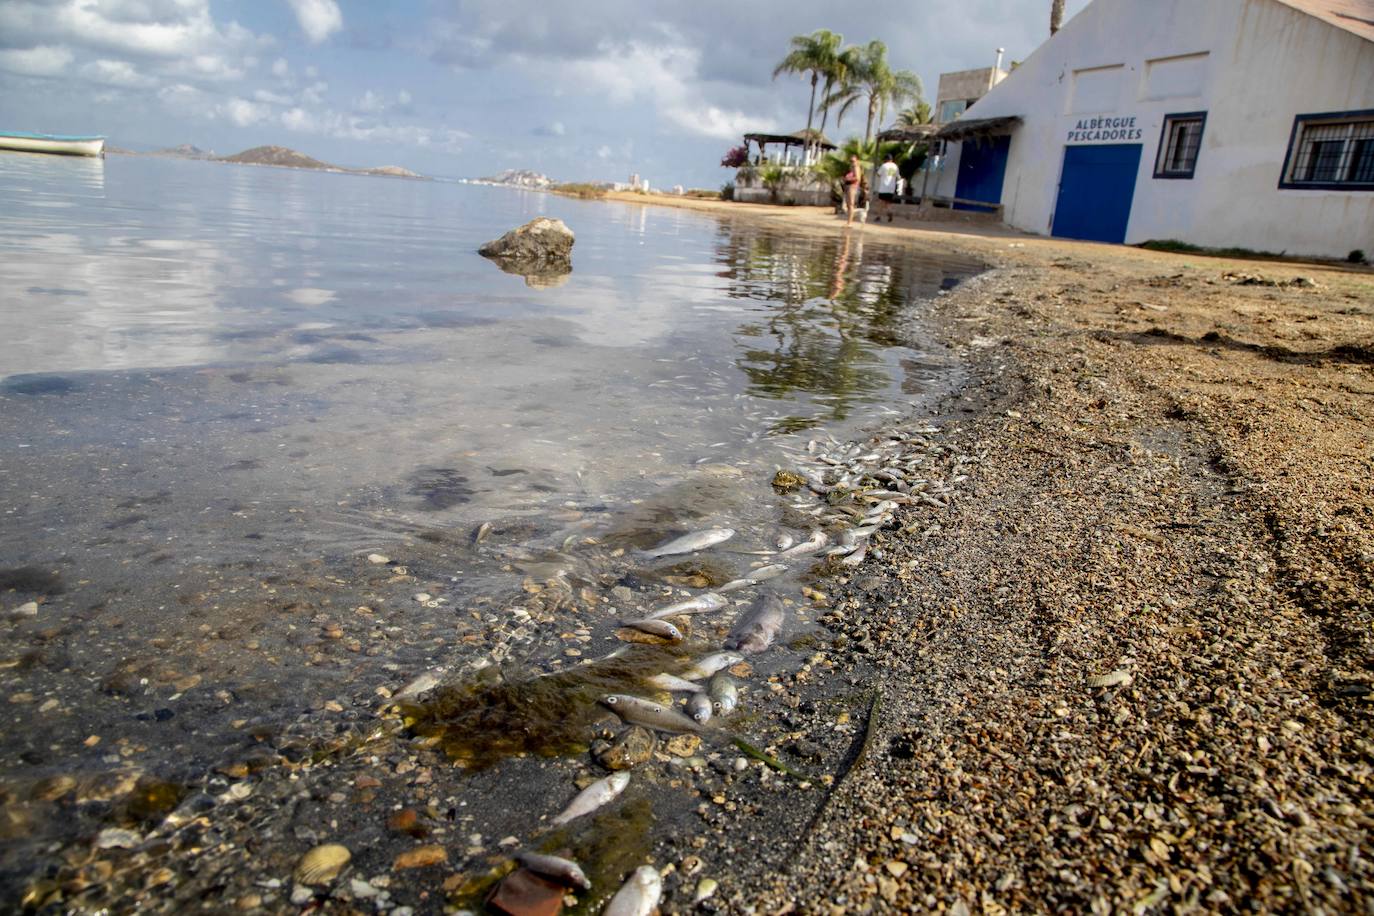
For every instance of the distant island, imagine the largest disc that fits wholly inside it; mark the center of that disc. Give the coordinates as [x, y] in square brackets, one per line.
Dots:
[520, 178]
[278, 156]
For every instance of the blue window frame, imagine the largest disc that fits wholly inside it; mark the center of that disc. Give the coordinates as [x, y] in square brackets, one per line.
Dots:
[1331, 152]
[1179, 144]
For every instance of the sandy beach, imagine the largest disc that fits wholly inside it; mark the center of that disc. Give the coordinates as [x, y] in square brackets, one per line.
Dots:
[1129, 668]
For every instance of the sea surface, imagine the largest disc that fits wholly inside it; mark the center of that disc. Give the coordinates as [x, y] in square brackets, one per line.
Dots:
[272, 438]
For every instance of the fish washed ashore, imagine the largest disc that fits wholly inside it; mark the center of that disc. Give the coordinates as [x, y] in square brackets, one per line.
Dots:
[1123, 664]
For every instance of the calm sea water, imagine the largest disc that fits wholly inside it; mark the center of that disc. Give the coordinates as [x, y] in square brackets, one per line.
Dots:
[222, 388]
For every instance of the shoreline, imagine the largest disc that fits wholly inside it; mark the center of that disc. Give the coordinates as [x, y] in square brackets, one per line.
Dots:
[1130, 666]
[1164, 468]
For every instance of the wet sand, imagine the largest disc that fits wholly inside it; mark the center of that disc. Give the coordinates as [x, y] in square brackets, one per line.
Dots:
[1167, 465]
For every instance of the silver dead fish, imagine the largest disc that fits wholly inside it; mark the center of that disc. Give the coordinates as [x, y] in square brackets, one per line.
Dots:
[812, 544]
[690, 543]
[764, 573]
[701, 604]
[709, 665]
[565, 870]
[673, 684]
[723, 692]
[757, 629]
[655, 628]
[639, 711]
[637, 896]
[594, 796]
[699, 708]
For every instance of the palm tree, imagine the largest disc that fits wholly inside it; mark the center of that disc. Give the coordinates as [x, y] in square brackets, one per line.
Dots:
[815, 54]
[915, 115]
[869, 77]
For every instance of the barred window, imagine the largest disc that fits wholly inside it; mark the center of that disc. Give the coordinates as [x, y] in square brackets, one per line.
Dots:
[1331, 152]
[1179, 144]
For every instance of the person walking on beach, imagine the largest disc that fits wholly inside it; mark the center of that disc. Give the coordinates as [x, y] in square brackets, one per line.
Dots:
[887, 186]
[852, 179]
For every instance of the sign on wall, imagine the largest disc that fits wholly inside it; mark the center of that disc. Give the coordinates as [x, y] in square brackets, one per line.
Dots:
[1104, 130]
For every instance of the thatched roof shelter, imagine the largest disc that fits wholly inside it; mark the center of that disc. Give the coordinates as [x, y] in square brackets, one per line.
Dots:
[978, 127]
[913, 134]
[800, 138]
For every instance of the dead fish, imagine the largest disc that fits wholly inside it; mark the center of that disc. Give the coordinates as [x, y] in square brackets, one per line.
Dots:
[655, 628]
[556, 867]
[735, 585]
[757, 630]
[673, 684]
[690, 543]
[855, 558]
[723, 692]
[699, 708]
[701, 604]
[637, 896]
[784, 541]
[594, 796]
[764, 573]
[639, 711]
[812, 544]
[705, 667]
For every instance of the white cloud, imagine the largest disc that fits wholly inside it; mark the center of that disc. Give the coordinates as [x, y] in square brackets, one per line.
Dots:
[370, 102]
[243, 113]
[318, 18]
[272, 98]
[280, 68]
[43, 60]
[168, 29]
[666, 76]
[119, 73]
[314, 93]
[332, 123]
[557, 129]
[603, 152]
[403, 97]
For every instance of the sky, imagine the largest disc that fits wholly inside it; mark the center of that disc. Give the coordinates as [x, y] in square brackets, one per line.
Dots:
[576, 89]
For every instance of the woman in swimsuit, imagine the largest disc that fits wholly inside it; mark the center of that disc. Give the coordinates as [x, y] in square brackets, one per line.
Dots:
[852, 179]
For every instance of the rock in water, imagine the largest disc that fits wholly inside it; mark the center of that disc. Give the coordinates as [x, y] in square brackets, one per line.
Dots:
[540, 251]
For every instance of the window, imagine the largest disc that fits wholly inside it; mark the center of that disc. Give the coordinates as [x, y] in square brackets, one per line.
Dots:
[951, 110]
[1179, 144]
[1331, 152]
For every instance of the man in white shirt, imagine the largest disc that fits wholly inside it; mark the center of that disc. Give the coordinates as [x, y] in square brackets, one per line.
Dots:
[888, 176]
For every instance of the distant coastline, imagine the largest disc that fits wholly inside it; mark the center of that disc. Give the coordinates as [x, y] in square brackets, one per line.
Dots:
[276, 156]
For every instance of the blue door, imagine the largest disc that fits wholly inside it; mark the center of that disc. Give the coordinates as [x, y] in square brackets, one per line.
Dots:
[1095, 192]
[982, 166]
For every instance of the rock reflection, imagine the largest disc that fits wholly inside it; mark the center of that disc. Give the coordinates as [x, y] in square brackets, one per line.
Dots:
[832, 310]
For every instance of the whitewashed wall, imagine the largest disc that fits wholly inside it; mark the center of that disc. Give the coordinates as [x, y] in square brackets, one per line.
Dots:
[1252, 65]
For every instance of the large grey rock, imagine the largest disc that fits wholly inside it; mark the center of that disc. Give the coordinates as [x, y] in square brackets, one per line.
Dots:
[540, 251]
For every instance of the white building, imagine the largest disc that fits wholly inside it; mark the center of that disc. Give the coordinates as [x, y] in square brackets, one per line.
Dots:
[1246, 123]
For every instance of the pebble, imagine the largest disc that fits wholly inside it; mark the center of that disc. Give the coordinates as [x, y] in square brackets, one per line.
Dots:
[420, 857]
[27, 609]
[378, 559]
[300, 895]
[683, 745]
[117, 838]
[631, 748]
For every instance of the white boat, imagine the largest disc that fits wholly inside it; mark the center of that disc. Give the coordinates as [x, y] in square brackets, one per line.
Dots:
[52, 143]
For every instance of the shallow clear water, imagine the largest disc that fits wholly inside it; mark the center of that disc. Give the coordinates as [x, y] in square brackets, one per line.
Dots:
[222, 387]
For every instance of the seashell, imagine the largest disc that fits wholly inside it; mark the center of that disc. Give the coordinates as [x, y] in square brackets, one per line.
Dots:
[691, 865]
[322, 864]
[1117, 678]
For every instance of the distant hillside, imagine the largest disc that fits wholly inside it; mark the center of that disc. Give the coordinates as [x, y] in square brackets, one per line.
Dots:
[392, 171]
[280, 156]
[185, 151]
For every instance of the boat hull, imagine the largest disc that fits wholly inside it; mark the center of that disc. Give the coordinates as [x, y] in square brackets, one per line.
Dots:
[66, 146]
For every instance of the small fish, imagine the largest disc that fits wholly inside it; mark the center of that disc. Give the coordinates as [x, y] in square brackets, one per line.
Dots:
[784, 541]
[723, 692]
[673, 684]
[690, 543]
[857, 557]
[637, 896]
[701, 604]
[712, 663]
[564, 870]
[812, 544]
[655, 628]
[699, 707]
[735, 585]
[764, 573]
[757, 629]
[594, 796]
[639, 711]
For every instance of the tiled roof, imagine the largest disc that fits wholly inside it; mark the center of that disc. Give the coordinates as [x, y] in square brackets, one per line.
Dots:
[1354, 16]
